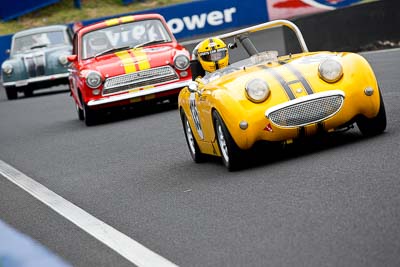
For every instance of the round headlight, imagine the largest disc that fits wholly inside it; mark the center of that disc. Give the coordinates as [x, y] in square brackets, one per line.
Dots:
[330, 70]
[93, 79]
[63, 59]
[257, 90]
[7, 68]
[181, 62]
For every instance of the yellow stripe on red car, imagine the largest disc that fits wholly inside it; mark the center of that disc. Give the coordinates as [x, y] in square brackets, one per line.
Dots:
[127, 19]
[127, 61]
[141, 58]
[112, 22]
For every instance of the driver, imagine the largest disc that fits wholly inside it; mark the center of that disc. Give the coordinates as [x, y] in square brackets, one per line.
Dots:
[97, 43]
[212, 53]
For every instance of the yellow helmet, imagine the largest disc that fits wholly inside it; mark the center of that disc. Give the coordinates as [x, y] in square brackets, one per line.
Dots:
[213, 54]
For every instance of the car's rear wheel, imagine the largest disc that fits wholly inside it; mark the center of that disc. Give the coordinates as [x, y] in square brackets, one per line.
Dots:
[230, 152]
[194, 149]
[90, 116]
[376, 125]
[11, 93]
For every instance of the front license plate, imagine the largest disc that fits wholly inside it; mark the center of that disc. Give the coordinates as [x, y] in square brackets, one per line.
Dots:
[21, 83]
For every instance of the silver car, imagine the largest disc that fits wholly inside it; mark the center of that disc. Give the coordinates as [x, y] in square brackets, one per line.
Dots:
[38, 59]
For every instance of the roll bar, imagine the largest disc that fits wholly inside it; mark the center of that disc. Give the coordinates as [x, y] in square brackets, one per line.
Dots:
[241, 34]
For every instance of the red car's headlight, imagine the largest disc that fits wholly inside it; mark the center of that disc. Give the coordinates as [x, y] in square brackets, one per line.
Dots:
[181, 62]
[93, 79]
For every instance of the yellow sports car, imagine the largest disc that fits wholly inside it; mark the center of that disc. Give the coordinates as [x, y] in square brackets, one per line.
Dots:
[267, 97]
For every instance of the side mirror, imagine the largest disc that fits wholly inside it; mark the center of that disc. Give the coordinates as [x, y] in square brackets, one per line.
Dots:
[193, 87]
[72, 58]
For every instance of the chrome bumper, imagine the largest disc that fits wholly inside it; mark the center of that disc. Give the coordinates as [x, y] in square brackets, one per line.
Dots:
[36, 79]
[145, 92]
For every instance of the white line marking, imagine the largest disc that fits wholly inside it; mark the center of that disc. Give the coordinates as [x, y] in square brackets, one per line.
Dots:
[117, 241]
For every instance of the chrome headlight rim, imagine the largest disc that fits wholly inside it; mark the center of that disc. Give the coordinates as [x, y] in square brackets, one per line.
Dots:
[93, 79]
[330, 70]
[257, 90]
[7, 68]
[181, 62]
[63, 60]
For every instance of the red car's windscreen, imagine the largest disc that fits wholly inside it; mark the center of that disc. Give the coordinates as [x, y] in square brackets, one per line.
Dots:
[123, 35]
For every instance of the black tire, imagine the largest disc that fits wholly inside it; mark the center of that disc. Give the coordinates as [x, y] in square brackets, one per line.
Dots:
[90, 116]
[28, 92]
[194, 149]
[376, 125]
[230, 152]
[11, 93]
[81, 114]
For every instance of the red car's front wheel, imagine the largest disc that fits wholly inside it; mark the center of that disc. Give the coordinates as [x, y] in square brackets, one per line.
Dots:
[90, 116]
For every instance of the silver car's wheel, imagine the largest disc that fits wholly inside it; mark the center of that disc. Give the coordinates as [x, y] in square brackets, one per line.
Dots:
[194, 149]
[12, 93]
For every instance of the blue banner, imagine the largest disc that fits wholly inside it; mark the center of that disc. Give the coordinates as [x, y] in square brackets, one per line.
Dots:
[207, 16]
[14, 9]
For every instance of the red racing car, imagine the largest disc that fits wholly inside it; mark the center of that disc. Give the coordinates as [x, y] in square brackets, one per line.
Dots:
[125, 60]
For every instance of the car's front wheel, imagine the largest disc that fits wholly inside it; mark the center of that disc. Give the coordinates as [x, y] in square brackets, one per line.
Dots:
[230, 152]
[81, 114]
[11, 93]
[376, 125]
[90, 116]
[28, 92]
[194, 149]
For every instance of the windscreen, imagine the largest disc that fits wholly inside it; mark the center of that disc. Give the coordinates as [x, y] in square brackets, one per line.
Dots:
[123, 35]
[38, 40]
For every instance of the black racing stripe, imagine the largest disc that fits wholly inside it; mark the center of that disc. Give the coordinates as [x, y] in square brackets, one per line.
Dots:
[280, 79]
[301, 78]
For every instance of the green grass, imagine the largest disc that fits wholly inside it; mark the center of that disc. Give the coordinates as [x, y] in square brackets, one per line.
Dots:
[65, 12]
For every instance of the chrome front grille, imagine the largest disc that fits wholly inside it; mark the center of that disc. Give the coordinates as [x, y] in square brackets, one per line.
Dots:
[35, 65]
[139, 79]
[307, 112]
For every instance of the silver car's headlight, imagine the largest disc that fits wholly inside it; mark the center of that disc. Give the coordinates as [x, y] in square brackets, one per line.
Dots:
[63, 60]
[7, 68]
[93, 79]
[330, 70]
[257, 90]
[181, 62]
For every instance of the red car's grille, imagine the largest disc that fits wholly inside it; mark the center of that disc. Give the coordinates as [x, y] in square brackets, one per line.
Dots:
[307, 112]
[139, 79]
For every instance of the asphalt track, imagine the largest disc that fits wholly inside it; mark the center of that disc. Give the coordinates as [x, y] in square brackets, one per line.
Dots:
[330, 202]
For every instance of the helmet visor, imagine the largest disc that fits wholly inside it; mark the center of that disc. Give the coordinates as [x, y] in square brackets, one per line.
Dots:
[214, 55]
